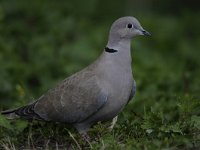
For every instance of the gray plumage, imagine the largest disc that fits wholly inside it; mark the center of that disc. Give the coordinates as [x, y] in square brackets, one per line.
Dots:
[98, 92]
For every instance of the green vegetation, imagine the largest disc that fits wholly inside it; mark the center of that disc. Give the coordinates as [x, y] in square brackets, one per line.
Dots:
[42, 42]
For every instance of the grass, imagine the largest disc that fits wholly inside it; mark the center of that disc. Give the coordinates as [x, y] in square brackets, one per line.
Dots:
[43, 44]
[151, 129]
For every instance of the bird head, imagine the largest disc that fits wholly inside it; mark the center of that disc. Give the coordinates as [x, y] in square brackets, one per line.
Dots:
[127, 28]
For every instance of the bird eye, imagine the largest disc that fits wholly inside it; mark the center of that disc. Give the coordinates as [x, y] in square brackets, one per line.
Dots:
[129, 25]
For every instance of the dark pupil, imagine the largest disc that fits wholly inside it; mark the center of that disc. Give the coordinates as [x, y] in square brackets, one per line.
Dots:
[129, 25]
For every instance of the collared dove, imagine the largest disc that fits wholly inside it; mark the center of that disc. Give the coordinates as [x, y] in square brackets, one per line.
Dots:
[96, 93]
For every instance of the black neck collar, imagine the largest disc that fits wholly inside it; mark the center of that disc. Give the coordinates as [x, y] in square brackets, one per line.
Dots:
[110, 50]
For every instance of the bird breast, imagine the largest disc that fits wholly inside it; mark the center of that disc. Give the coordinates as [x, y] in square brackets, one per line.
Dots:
[116, 80]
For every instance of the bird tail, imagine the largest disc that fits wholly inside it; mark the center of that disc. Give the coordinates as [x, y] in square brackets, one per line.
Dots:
[10, 114]
[25, 112]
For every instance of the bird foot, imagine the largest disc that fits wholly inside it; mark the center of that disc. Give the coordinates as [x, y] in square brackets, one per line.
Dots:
[86, 137]
[114, 121]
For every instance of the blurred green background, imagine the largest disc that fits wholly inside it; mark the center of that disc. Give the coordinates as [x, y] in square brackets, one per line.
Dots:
[43, 42]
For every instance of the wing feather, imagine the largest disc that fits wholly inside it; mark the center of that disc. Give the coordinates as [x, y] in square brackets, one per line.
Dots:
[74, 100]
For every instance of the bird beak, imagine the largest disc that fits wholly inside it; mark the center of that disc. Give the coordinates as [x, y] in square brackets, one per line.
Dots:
[145, 33]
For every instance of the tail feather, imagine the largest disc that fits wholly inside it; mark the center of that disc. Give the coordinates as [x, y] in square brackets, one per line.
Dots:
[10, 114]
[25, 112]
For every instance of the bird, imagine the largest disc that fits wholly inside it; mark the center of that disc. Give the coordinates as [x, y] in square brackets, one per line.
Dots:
[98, 92]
